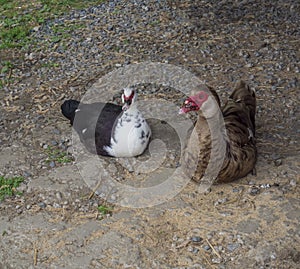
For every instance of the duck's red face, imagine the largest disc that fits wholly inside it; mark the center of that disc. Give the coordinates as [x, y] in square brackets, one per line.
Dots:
[188, 105]
[128, 98]
[193, 103]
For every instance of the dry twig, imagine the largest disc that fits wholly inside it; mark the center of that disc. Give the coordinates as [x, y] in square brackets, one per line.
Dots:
[95, 189]
[35, 256]
[214, 250]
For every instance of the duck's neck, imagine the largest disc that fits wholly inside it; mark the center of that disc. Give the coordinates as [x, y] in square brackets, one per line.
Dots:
[131, 109]
[210, 125]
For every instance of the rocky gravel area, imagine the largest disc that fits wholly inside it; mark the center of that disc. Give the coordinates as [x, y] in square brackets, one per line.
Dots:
[251, 223]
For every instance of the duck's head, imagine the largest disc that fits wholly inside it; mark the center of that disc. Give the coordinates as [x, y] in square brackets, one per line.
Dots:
[194, 103]
[128, 98]
[202, 100]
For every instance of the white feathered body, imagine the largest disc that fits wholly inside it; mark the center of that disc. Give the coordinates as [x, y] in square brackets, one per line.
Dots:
[130, 135]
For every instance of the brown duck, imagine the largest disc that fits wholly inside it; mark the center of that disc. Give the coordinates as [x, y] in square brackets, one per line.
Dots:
[223, 140]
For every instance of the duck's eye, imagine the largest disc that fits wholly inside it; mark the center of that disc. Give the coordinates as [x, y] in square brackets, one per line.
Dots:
[188, 105]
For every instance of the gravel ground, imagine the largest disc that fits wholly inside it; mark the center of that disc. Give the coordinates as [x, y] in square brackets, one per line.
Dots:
[252, 223]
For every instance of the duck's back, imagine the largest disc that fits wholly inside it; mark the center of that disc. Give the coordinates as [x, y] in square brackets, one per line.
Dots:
[239, 118]
[105, 126]
[94, 123]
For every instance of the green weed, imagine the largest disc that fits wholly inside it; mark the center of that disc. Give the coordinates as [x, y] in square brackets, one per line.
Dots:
[57, 156]
[8, 186]
[104, 210]
[6, 66]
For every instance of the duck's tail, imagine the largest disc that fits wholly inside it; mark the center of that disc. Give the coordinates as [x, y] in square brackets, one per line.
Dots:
[243, 94]
[68, 109]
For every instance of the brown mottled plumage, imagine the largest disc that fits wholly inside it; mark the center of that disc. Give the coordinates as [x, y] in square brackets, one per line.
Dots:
[235, 143]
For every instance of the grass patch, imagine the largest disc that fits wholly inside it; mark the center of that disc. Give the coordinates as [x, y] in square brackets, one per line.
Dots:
[8, 186]
[19, 17]
[104, 210]
[57, 156]
[126, 41]
[6, 66]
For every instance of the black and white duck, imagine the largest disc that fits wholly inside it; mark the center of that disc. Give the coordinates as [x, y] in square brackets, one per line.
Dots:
[107, 129]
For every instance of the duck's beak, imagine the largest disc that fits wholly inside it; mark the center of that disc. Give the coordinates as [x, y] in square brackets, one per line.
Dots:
[125, 107]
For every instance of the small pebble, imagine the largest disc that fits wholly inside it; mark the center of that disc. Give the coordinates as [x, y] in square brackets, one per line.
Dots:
[42, 205]
[254, 190]
[207, 191]
[58, 195]
[56, 205]
[54, 143]
[233, 246]
[275, 156]
[187, 214]
[220, 248]
[239, 239]
[235, 189]
[216, 260]
[175, 238]
[190, 248]
[210, 235]
[26, 174]
[206, 247]
[20, 211]
[45, 146]
[110, 27]
[195, 250]
[196, 239]
[225, 213]
[56, 131]
[221, 201]
[265, 186]
[140, 236]
[278, 162]
[36, 29]
[113, 198]
[52, 164]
